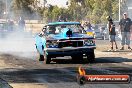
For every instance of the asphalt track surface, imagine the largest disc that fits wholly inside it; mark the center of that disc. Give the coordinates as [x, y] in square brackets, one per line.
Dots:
[25, 67]
[60, 75]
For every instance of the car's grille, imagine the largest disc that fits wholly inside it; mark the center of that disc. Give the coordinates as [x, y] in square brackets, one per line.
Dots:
[70, 44]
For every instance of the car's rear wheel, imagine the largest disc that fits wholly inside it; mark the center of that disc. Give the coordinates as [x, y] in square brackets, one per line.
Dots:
[77, 58]
[90, 57]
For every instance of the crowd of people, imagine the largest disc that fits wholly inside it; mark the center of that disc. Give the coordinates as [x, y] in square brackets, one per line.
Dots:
[10, 25]
[125, 29]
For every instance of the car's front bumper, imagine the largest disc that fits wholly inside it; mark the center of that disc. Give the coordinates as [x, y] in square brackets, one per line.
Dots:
[69, 51]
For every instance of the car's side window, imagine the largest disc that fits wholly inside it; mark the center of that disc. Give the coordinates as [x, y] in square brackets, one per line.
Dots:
[58, 29]
[50, 30]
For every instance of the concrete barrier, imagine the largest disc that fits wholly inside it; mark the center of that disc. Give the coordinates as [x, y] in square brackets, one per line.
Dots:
[34, 27]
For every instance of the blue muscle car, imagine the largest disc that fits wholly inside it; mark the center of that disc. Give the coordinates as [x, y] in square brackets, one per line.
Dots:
[59, 39]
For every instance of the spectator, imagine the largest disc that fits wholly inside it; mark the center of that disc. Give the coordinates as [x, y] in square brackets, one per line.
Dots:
[10, 25]
[59, 19]
[21, 23]
[87, 25]
[112, 35]
[62, 19]
[125, 29]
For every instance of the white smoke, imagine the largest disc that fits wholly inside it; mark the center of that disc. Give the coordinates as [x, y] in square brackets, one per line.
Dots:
[18, 43]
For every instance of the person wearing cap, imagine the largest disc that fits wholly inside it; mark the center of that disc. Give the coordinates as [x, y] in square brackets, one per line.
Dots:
[125, 29]
[112, 34]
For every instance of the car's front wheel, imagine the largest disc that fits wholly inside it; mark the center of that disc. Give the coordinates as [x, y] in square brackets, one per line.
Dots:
[47, 58]
[41, 58]
[90, 56]
[77, 58]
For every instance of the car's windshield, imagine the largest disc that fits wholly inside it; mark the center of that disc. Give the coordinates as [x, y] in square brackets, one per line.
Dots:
[55, 29]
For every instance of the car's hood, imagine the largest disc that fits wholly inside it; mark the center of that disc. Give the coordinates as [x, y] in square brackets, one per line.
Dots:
[63, 35]
[59, 36]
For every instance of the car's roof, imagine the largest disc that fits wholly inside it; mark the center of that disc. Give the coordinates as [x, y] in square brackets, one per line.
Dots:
[67, 23]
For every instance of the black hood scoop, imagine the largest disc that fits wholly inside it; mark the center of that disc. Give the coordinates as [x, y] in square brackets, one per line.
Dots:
[69, 33]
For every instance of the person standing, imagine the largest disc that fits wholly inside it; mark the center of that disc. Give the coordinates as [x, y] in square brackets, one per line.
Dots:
[87, 25]
[112, 35]
[9, 25]
[21, 24]
[125, 29]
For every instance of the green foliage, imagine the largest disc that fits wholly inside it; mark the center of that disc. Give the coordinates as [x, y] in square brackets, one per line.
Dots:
[22, 7]
[95, 11]
[2, 8]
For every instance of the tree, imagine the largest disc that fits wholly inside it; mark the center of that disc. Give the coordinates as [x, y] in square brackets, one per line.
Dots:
[2, 8]
[115, 10]
[22, 8]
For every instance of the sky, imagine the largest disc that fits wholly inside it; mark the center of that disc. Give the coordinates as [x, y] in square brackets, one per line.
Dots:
[59, 3]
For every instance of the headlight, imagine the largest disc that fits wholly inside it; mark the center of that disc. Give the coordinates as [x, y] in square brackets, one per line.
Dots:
[89, 42]
[52, 44]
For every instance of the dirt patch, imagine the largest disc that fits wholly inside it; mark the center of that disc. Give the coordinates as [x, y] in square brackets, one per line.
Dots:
[3, 64]
[27, 85]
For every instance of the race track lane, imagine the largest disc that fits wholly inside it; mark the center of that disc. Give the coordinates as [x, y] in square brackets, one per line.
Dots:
[60, 75]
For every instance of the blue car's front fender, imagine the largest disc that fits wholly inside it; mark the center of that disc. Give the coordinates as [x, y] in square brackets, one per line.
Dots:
[40, 44]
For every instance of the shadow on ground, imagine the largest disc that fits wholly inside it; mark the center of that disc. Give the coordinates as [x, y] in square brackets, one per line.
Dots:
[52, 75]
[36, 76]
[97, 60]
[112, 60]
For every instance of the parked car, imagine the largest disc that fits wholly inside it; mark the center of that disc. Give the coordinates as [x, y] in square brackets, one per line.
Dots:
[6, 27]
[102, 33]
[3, 30]
[59, 39]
